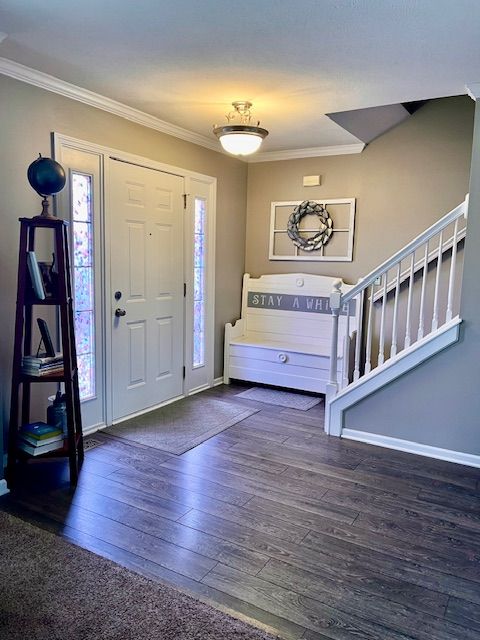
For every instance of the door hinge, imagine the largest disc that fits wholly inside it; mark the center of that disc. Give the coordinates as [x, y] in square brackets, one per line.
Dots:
[184, 289]
[185, 195]
[184, 371]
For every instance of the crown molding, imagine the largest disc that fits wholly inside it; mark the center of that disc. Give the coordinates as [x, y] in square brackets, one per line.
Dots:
[310, 152]
[61, 87]
[72, 91]
[473, 90]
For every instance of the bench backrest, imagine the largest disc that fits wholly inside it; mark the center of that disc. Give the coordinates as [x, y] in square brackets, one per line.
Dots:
[293, 308]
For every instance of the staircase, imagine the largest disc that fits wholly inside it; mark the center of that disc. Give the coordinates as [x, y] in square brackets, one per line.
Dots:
[407, 310]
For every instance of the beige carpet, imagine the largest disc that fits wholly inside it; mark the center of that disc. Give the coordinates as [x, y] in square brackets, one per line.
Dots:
[52, 590]
[182, 425]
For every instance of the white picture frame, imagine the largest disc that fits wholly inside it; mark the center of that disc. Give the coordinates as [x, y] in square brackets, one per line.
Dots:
[323, 254]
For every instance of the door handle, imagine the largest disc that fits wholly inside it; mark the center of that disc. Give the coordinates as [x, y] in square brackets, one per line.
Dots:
[120, 313]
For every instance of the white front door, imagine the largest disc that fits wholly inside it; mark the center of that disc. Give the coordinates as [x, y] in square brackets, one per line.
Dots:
[147, 304]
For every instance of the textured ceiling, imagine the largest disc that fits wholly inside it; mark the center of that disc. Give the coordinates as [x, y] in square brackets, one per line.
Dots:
[184, 61]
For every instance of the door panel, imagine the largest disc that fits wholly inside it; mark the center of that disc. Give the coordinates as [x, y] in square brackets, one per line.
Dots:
[165, 341]
[164, 239]
[147, 268]
[137, 353]
[136, 265]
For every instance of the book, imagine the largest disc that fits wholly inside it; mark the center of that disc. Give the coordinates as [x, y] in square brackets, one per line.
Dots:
[35, 442]
[43, 358]
[38, 373]
[42, 366]
[38, 450]
[39, 430]
[35, 275]
[34, 366]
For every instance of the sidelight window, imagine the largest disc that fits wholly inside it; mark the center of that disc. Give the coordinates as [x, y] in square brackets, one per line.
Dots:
[199, 284]
[83, 281]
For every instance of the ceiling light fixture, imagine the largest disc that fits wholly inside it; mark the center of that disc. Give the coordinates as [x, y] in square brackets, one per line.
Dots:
[244, 138]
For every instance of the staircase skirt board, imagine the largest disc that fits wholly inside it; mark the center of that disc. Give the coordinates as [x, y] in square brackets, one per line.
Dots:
[392, 369]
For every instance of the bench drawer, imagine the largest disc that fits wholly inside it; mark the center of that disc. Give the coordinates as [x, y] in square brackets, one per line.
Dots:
[282, 358]
[293, 377]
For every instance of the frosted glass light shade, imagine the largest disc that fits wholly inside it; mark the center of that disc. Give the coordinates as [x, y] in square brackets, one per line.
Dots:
[240, 140]
[241, 144]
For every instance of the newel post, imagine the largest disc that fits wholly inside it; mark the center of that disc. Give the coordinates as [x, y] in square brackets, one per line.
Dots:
[332, 386]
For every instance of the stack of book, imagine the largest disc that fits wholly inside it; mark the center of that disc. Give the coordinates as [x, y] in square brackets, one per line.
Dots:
[42, 365]
[39, 437]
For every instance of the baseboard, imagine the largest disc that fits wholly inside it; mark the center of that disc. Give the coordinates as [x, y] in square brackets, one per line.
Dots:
[458, 457]
[87, 431]
[202, 387]
[218, 381]
[3, 487]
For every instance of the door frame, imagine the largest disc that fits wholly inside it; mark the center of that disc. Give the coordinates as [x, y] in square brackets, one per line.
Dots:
[191, 180]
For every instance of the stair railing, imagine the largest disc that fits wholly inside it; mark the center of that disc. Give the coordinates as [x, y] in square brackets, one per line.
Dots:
[406, 272]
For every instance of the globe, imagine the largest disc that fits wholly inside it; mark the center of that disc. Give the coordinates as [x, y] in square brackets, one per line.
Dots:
[46, 176]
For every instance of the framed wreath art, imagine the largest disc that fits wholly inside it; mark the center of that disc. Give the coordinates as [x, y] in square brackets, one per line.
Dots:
[312, 230]
[323, 235]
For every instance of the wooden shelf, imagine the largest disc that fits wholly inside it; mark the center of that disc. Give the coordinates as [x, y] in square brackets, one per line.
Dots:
[61, 452]
[54, 377]
[49, 222]
[21, 382]
[47, 302]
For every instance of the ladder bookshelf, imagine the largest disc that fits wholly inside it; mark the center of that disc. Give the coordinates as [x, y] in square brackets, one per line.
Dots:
[27, 300]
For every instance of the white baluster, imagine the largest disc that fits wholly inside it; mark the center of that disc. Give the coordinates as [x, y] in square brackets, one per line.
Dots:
[408, 338]
[393, 350]
[335, 302]
[451, 281]
[368, 346]
[437, 282]
[381, 348]
[346, 351]
[332, 386]
[421, 321]
[358, 338]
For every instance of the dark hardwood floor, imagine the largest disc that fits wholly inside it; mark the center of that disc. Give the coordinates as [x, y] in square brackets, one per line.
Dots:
[309, 536]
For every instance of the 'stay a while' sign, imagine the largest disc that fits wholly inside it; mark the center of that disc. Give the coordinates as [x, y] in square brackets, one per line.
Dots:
[289, 302]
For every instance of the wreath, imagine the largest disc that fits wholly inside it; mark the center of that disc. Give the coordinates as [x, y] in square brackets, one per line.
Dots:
[321, 238]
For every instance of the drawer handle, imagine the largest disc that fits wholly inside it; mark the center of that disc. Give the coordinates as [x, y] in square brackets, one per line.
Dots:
[282, 357]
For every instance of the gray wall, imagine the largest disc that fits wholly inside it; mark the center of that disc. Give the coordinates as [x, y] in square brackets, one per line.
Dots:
[438, 403]
[28, 115]
[403, 182]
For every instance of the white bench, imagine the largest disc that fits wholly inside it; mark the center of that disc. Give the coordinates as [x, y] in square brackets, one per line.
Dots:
[284, 335]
